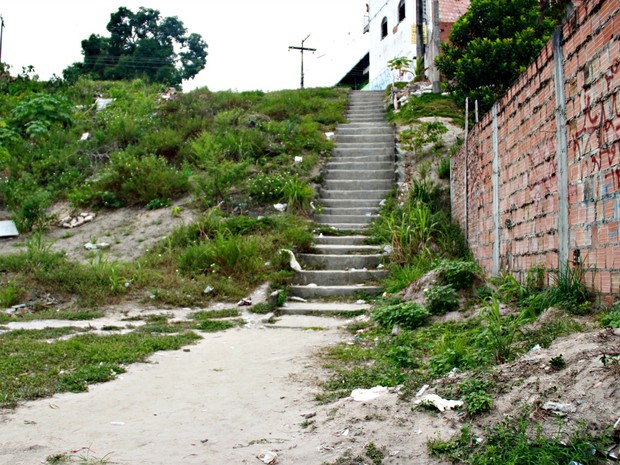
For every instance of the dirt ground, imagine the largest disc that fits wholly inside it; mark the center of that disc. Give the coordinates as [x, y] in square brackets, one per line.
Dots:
[230, 398]
[246, 392]
[129, 232]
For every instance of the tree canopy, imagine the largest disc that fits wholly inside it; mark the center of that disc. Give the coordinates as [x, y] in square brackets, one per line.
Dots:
[141, 45]
[492, 43]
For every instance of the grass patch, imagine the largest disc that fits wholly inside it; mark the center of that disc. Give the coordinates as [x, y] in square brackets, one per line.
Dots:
[33, 368]
[212, 326]
[429, 105]
[519, 440]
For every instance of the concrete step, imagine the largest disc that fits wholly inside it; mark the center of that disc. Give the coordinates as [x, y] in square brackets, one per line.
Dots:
[365, 119]
[360, 165]
[356, 185]
[339, 240]
[364, 138]
[361, 194]
[340, 262]
[350, 210]
[361, 174]
[364, 130]
[362, 125]
[351, 203]
[366, 145]
[363, 151]
[347, 246]
[345, 227]
[356, 219]
[314, 292]
[338, 277]
[312, 308]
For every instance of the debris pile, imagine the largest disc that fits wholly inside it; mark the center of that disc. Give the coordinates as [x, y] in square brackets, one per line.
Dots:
[71, 222]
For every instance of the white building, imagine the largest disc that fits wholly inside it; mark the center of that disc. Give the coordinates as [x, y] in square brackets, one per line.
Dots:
[404, 28]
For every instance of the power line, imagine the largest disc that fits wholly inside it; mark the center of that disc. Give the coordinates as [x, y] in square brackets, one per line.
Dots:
[302, 49]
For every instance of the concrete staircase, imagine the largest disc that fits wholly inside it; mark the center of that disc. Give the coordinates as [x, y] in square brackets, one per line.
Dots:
[359, 174]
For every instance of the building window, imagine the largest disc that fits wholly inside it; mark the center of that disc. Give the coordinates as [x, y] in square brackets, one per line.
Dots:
[384, 27]
[401, 10]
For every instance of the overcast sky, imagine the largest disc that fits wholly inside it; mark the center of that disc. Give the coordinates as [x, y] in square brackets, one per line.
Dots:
[248, 39]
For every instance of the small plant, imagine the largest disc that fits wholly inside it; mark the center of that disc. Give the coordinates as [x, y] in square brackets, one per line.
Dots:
[156, 204]
[408, 315]
[611, 319]
[475, 395]
[460, 274]
[441, 299]
[519, 440]
[557, 363]
[443, 168]
[500, 332]
[374, 453]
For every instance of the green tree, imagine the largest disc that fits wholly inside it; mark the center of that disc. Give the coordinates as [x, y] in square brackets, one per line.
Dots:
[141, 45]
[492, 43]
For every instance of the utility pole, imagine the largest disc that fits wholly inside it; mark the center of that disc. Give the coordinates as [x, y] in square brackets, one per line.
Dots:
[1, 30]
[302, 49]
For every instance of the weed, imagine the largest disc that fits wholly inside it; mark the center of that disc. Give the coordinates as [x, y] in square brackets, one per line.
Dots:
[443, 168]
[34, 368]
[475, 395]
[500, 332]
[215, 314]
[212, 326]
[262, 308]
[408, 315]
[611, 319]
[519, 440]
[374, 453]
[459, 274]
[441, 299]
[557, 362]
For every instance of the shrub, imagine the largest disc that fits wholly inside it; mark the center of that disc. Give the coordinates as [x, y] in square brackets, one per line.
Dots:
[267, 187]
[443, 169]
[441, 299]
[476, 398]
[297, 193]
[460, 274]
[408, 315]
[138, 180]
[611, 319]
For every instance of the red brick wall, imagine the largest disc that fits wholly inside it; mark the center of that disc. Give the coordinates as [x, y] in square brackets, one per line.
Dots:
[528, 160]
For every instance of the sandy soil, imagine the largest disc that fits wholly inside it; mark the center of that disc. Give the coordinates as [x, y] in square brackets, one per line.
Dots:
[238, 394]
[229, 398]
[128, 231]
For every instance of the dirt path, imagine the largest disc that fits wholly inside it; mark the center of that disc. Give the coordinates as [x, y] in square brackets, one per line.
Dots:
[229, 398]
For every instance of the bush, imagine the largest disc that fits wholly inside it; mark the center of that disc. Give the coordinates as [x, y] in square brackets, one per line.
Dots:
[476, 398]
[611, 319]
[460, 274]
[441, 299]
[408, 315]
[138, 180]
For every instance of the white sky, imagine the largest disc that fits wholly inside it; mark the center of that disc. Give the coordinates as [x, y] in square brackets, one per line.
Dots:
[248, 39]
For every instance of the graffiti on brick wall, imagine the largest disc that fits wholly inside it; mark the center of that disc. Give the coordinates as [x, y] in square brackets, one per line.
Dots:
[541, 168]
[597, 143]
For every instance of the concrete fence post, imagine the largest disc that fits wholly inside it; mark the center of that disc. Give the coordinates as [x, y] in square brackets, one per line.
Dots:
[562, 148]
[496, 213]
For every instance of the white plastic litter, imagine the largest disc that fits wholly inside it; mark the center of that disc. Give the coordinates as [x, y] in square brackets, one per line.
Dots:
[299, 159]
[440, 403]
[329, 135]
[85, 136]
[102, 103]
[365, 395]
[280, 206]
[268, 457]
[422, 390]
[559, 407]
[293, 261]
